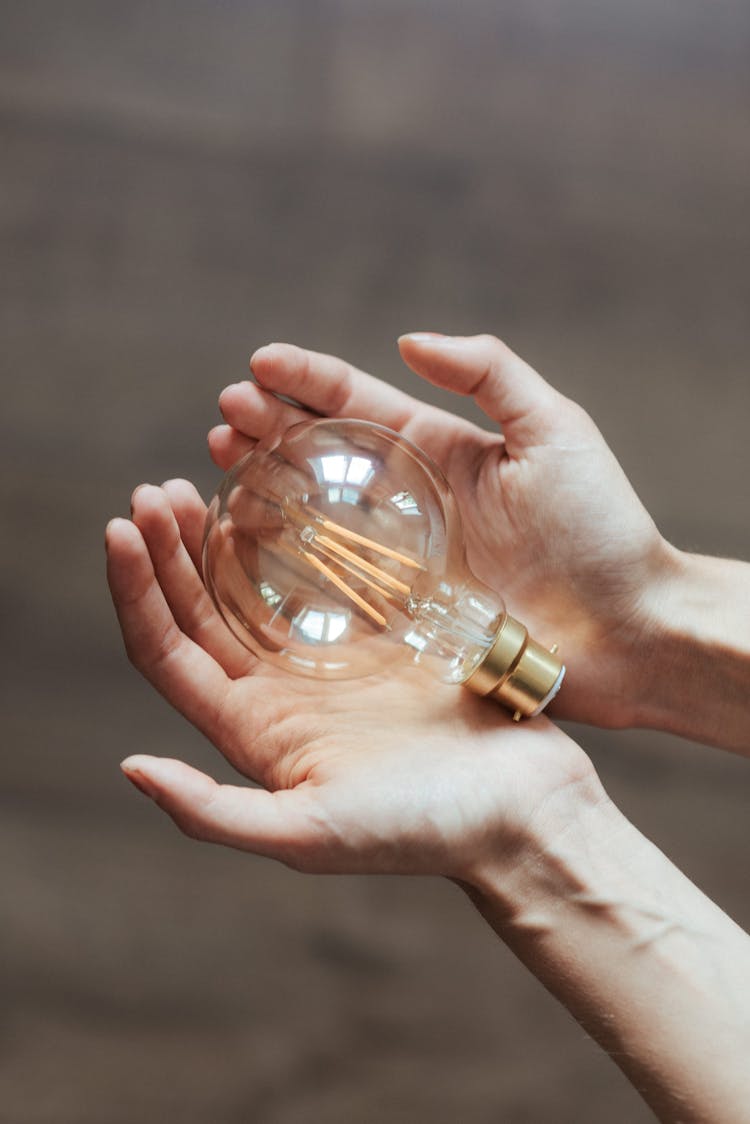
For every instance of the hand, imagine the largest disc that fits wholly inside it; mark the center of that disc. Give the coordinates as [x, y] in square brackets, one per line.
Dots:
[550, 519]
[443, 785]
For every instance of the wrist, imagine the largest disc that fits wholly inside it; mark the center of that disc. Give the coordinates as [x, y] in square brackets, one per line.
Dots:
[620, 640]
[693, 654]
[541, 868]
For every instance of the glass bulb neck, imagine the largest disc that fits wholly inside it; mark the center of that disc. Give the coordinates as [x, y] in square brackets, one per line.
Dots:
[517, 672]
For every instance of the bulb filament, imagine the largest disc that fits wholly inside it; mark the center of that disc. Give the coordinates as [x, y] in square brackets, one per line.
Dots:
[336, 560]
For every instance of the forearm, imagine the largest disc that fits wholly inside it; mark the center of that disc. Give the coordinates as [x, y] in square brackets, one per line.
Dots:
[647, 964]
[692, 671]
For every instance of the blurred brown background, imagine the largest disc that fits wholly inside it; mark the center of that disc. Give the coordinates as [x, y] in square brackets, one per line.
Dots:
[183, 181]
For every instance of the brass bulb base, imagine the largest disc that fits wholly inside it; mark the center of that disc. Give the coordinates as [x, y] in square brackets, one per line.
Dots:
[518, 672]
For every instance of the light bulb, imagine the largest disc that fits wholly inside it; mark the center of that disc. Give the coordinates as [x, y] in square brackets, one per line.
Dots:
[336, 551]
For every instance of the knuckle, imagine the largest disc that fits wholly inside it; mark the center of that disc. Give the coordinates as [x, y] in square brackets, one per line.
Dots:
[191, 827]
[576, 415]
[494, 345]
[168, 645]
[341, 393]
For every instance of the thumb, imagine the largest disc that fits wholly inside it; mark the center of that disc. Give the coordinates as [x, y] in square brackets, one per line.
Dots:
[274, 824]
[508, 390]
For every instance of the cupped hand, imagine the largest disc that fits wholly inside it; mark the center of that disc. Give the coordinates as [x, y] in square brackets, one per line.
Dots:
[387, 774]
[550, 519]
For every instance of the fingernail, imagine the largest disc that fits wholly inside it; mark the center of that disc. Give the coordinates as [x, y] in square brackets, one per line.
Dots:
[230, 386]
[259, 351]
[142, 783]
[430, 339]
[135, 493]
[424, 337]
[110, 525]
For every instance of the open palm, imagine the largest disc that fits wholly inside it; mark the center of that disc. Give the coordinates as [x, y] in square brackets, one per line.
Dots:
[550, 519]
[427, 789]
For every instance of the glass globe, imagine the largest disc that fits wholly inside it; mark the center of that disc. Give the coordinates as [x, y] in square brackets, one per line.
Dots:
[337, 552]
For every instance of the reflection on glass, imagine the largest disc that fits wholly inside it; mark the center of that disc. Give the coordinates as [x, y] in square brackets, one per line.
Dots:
[270, 595]
[406, 503]
[342, 469]
[318, 627]
[344, 495]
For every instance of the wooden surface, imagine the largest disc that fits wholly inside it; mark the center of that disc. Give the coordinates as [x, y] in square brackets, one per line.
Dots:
[181, 183]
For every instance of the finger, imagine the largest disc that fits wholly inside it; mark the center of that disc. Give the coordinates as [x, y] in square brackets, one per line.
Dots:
[275, 824]
[508, 390]
[194, 612]
[190, 513]
[331, 387]
[256, 412]
[186, 675]
[227, 446]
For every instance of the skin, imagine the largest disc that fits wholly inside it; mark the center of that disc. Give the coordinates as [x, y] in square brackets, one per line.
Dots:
[341, 789]
[448, 784]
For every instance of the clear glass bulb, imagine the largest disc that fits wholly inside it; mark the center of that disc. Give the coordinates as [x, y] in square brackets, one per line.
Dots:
[337, 551]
